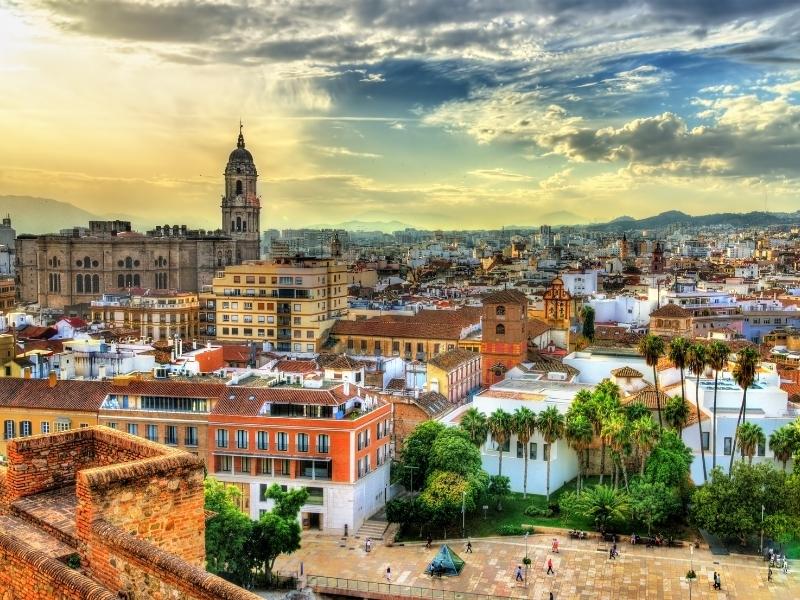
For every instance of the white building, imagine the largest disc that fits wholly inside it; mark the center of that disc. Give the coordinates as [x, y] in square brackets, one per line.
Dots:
[580, 283]
[625, 310]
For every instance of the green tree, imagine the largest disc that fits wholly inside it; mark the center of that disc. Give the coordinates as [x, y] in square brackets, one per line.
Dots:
[677, 351]
[718, 353]
[453, 451]
[500, 426]
[604, 504]
[644, 434]
[676, 414]
[744, 373]
[228, 533]
[473, 422]
[616, 434]
[669, 461]
[417, 451]
[579, 435]
[653, 503]
[697, 360]
[652, 348]
[443, 495]
[550, 424]
[636, 410]
[523, 423]
[272, 536]
[588, 322]
[750, 436]
[784, 443]
[499, 488]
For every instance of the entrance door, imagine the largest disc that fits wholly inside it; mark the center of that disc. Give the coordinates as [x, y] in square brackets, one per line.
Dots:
[314, 521]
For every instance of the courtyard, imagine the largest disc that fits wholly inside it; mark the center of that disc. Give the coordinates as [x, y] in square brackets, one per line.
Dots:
[582, 569]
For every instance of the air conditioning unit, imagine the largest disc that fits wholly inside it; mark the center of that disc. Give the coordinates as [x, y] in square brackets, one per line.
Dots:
[556, 376]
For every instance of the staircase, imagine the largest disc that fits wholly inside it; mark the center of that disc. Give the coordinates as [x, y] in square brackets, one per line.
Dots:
[372, 529]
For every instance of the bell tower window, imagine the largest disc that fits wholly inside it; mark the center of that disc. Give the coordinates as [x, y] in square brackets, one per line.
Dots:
[238, 187]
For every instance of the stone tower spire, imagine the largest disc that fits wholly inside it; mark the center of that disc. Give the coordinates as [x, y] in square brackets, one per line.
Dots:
[241, 206]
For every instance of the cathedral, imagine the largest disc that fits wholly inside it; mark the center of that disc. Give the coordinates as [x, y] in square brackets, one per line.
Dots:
[67, 270]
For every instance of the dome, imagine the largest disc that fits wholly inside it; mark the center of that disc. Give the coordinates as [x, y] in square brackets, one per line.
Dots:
[240, 154]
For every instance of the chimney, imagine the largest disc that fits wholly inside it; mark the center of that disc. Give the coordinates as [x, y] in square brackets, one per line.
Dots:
[346, 388]
[52, 378]
[101, 372]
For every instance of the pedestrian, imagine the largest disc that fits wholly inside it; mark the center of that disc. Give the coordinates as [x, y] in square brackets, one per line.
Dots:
[550, 570]
[518, 576]
[367, 545]
[389, 574]
[719, 581]
[429, 541]
[469, 547]
[555, 545]
[769, 573]
[785, 565]
[551, 596]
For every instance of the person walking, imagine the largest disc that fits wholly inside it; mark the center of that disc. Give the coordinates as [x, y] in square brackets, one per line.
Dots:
[469, 547]
[550, 570]
[785, 566]
[718, 581]
[367, 544]
[769, 573]
[555, 545]
[429, 541]
[389, 574]
[518, 576]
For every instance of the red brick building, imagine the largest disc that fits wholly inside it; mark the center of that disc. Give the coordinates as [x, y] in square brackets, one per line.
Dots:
[504, 342]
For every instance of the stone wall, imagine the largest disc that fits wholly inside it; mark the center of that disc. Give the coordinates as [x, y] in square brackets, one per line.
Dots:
[26, 574]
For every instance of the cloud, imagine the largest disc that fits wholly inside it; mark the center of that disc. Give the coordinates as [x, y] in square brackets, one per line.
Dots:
[499, 174]
[340, 151]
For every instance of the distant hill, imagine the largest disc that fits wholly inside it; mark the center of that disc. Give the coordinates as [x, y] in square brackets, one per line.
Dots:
[676, 217]
[42, 215]
[355, 225]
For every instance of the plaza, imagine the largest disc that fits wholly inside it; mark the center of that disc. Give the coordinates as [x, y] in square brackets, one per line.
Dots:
[582, 570]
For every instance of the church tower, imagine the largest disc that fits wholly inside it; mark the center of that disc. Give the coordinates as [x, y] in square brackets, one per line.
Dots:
[241, 206]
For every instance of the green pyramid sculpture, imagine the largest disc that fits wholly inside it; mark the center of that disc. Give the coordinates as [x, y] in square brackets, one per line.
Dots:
[446, 562]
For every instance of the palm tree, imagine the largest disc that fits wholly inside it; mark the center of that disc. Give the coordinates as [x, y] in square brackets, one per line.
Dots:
[784, 443]
[499, 424]
[473, 422]
[605, 504]
[652, 348]
[644, 435]
[750, 437]
[697, 361]
[718, 353]
[744, 374]
[579, 434]
[605, 402]
[616, 434]
[677, 350]
[550, 424]
[676, 412]
[523, 423]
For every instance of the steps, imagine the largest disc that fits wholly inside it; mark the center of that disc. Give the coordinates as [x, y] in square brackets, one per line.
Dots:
[372, 529]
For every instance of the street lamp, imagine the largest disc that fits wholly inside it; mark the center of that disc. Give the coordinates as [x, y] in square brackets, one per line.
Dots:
[691, 569]
[761, 544]
[412, 476]
[526, 561]
[463, 513]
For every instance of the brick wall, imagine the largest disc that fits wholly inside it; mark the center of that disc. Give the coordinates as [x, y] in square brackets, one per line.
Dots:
[26, 574]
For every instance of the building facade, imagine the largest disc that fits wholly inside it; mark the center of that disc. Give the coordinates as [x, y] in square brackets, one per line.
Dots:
[66, 271]
[153, 314]
[504, 341]
[455, 374]
[288, 303]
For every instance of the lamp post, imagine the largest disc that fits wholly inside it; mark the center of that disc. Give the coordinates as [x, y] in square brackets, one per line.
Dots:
[463, 513]
[761, 543]
[412, 476]
[691, 569]
[526, 557]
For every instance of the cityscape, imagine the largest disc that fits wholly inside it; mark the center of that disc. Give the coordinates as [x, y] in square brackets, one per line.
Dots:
[383, 300]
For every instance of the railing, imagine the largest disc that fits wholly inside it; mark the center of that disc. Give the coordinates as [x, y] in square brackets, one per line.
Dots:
[394, 590]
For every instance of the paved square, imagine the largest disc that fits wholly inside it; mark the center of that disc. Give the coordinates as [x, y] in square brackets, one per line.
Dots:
[582, 569]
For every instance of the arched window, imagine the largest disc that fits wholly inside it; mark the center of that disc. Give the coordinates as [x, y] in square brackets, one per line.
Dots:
[128, 281]
[120, 281]
[128, 262]
[500, 310]
[79, 284]
[87, 283]
[229, 257]
[87, 262]
[137, 281]
[219, 258]
[238, 187]
[96, 284]
[500, 329]
[244, 225]
[238, 223]
[233, 225]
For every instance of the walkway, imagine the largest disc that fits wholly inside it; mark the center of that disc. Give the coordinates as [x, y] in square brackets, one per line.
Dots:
[583, 569]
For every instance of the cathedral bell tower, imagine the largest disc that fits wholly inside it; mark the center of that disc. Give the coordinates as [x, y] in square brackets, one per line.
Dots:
[241, 206]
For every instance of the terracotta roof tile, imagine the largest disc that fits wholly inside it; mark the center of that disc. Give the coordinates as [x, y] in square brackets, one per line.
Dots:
[433, 324]
[447, 361]
[398, 384]
[626, 371]
[296, 366]
[505, 297]
[671, 310]
[65, 395]
[433, 403]
[339, 362]
[537, 327]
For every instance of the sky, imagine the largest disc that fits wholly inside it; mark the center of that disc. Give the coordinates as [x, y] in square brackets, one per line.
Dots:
[455, 114]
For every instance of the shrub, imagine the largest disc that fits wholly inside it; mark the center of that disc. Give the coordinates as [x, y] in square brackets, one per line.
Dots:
[510, 530]
[526, 561]
[538, 511]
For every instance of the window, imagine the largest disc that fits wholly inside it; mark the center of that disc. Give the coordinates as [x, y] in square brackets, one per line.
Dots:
[283, 441]
[225, 463]
[506, 446]
[8, 430]
[152, 433]
[545, 451]
[264, 466]
[191, 436]
[241, 438]
[62, 426]
[706, 440]
[302, 442]
[133, 428]
[244, 464]
[500, 310]
[262, 440]
[500, 329]
[26, 429]
[520, 450]
[222, 438]
[171, 435]
[323, 443]
[284, 467]
[111, 424]
[45, 427]
[727, 446]
[762, 449]
[532, 447]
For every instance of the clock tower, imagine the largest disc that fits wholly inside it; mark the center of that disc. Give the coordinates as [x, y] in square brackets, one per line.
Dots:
[241, 206]
[557, 305]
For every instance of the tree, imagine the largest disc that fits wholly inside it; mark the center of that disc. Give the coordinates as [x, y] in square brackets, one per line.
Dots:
[498, 489]
[499, 423]
[443, 495]
[653, 503]
[417, 450]
[678, 348]
[228, 533]
[453, 451]
[669, 461]
[744, 373]
[523, 423]
[588, 322]
[636, 410]
[473, 422]
[616, 434]
[697, 361]
[652, 348]
[579, 435]
[676, 414]
[644, 434]
[718, 353]
[607, 505]
[784, 443]
[272, 536]
[750, 436]
[550, 424]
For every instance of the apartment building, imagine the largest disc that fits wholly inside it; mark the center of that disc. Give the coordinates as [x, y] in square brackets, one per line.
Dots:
[334, 442]
[455, 374]
[290, 303]
[154, 314]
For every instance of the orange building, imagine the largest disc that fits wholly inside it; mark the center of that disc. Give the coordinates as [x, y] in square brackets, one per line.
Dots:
[504, 341]
[332, 441]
